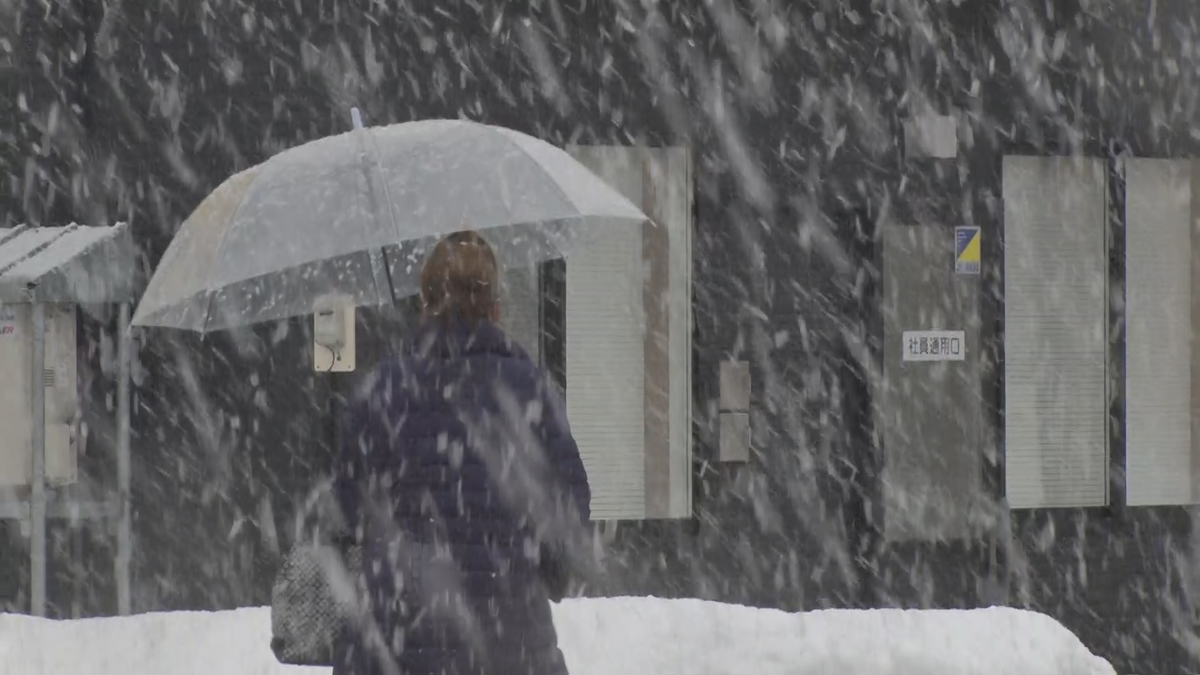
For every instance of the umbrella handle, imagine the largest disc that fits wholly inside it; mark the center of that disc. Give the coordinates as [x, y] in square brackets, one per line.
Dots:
[356, 118]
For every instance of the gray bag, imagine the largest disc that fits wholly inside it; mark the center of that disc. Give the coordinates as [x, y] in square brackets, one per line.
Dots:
[316, 589]
[311, 601]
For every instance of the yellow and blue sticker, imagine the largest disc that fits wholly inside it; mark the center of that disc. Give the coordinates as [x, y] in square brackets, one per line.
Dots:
[966, 250]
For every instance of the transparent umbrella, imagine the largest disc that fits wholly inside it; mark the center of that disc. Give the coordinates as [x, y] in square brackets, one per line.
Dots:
[354, 214]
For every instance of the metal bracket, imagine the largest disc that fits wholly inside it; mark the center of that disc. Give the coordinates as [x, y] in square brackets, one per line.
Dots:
[734, 436]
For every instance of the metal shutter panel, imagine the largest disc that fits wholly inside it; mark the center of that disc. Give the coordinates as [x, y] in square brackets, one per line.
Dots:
[1158, 307]
[605, 358]
[1055, 332]
[675, 212]
[520, 309]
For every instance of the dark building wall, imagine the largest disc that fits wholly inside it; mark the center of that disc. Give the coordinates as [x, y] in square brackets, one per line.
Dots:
[136, 109]
[1120, 87]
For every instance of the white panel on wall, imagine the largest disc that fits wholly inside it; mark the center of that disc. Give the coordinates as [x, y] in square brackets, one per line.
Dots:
[629, 340]
[520, 309]
[676, 176]
[59, 380]
[605, 349]
[1158, 327]
[1055, 331]
[15, 410]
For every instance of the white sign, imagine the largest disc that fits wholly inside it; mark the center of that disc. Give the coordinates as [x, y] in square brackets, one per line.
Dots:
[934, 345]
[8, 322]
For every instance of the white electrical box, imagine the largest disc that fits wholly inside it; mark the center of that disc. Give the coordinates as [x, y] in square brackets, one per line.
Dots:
[932, 136]
[58, 377]
[329, 327]
[333, 334]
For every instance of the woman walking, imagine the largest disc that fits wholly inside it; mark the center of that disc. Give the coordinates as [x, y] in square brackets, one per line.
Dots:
[461, 481]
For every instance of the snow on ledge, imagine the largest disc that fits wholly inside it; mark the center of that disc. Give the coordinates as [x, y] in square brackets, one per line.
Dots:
[611, 636]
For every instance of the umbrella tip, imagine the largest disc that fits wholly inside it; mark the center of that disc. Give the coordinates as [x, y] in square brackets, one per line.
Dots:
[356, 118]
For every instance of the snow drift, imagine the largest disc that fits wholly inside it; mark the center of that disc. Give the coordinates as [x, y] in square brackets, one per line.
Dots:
[613, 636]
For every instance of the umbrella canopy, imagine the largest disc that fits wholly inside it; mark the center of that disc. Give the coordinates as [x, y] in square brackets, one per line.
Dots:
[355, 214]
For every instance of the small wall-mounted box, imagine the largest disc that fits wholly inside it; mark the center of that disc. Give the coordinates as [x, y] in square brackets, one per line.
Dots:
[735, 386]
[931, 135]
[735, 437]
[734, 419]
[333, 334]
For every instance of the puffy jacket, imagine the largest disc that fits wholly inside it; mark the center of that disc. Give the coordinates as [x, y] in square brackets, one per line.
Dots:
[457, 472]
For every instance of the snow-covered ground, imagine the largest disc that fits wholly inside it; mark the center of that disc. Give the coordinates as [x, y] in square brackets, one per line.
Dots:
[616, 636]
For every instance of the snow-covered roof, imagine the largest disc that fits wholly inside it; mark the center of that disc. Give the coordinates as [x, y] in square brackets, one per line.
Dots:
[71, 264]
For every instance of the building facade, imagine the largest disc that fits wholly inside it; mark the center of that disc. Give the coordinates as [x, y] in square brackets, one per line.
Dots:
[814, 225]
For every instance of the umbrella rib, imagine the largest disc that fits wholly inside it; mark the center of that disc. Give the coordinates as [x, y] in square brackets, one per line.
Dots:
[372, 171]
[558, 188]
[391, 208]
[221, 247]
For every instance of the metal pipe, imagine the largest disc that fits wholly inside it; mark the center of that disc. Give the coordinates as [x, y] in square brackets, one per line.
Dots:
[77, 570]
[124, 467]
[37, 507]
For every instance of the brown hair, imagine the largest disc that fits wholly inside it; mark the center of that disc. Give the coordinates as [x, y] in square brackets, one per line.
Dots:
[460, 278]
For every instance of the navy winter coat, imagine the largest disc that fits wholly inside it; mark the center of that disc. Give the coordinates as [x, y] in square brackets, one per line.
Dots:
[457, 470]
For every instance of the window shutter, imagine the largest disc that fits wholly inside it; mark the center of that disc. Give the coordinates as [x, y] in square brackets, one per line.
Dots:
[627, 310]
[605, 355]
[1158, 308]
[671, 172]
[520, 310]
[1055, 332]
